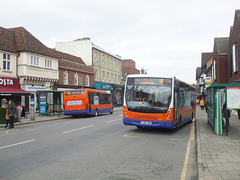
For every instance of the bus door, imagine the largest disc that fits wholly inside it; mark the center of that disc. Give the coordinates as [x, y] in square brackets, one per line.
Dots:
[176, 105]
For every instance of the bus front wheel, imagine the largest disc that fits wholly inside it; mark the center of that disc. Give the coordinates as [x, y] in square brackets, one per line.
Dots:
[111, 111]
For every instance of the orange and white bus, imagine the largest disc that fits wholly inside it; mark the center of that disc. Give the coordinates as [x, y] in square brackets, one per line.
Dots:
[158, 102]
[87, 101]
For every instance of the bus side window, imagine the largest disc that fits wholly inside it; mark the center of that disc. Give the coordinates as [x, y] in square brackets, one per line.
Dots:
[90, 96]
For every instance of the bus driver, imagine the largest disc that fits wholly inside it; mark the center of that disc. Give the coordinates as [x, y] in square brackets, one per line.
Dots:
[140, 97]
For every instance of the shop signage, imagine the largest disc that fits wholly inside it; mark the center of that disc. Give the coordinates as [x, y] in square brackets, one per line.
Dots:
[42, 97]
[47, 84]
[34, 88]
[107, 86]
[9, 82]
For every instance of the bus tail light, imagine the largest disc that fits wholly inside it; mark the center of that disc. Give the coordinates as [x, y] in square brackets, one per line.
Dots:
[86, 106]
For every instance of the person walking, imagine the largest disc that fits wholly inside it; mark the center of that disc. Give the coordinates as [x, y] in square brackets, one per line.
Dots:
[202, 104]
[11, 111]
[7, 117]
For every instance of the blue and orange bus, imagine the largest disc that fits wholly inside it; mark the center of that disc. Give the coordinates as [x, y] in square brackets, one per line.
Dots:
[158, 102]
[87, 101]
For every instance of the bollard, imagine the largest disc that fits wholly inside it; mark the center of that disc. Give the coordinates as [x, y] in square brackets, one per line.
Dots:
[19, 114]
[32, 114]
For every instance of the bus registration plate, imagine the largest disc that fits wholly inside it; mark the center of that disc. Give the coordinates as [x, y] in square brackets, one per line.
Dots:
[146, 122]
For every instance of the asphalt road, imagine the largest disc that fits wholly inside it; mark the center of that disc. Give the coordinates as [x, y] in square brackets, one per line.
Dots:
[96, 148]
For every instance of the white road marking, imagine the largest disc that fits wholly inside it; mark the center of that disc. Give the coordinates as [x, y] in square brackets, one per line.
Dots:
[77, 129]
[24, 142]
[113, 120]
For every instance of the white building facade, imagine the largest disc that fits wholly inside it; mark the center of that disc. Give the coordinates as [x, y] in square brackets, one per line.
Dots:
[107, 66]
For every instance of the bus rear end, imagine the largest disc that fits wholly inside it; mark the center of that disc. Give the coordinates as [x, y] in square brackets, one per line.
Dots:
[148, 102]
[75, 102]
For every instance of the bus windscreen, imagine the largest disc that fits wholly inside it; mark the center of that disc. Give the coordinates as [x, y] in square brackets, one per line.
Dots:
[148, 95]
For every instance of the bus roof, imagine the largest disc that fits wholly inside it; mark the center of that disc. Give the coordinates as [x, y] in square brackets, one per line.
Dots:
[88, 89]
[146, 75]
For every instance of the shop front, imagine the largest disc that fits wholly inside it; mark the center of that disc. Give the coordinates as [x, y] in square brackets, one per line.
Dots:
[115, 89]
[10, 90]
[118, 95]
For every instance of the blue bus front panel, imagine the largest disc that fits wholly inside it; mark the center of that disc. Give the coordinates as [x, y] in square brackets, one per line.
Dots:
[158, 124]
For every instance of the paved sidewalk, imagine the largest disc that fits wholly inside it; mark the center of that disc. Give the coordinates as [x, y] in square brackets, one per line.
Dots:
[218, 155]
[44, 118]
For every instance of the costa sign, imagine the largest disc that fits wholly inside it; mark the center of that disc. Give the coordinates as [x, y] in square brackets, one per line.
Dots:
[9, 82]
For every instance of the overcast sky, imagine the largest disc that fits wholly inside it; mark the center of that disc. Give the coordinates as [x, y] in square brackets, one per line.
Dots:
[166, 37]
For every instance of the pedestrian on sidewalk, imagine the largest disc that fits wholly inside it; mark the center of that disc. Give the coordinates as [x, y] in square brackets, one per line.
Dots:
[11, 112]
[202, 104]
[7, 116]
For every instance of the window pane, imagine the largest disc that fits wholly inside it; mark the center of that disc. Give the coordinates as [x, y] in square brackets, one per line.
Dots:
[234, 58]
[8, 65]
[4, 65]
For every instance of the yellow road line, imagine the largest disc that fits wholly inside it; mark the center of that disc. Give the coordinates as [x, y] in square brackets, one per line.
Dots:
[185, 166]
[8, 134]
[127, 135]
[179, 139]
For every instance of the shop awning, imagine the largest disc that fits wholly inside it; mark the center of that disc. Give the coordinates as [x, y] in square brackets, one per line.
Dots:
[13, 92]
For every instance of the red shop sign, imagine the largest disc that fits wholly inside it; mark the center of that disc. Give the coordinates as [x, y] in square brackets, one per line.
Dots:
[9, 82]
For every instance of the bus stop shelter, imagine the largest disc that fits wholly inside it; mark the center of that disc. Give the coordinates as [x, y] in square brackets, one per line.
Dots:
[220, 99]
[50, 102]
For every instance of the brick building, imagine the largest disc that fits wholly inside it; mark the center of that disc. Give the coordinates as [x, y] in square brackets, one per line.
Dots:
[129, 66]
[220, 70]
[233, 50]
